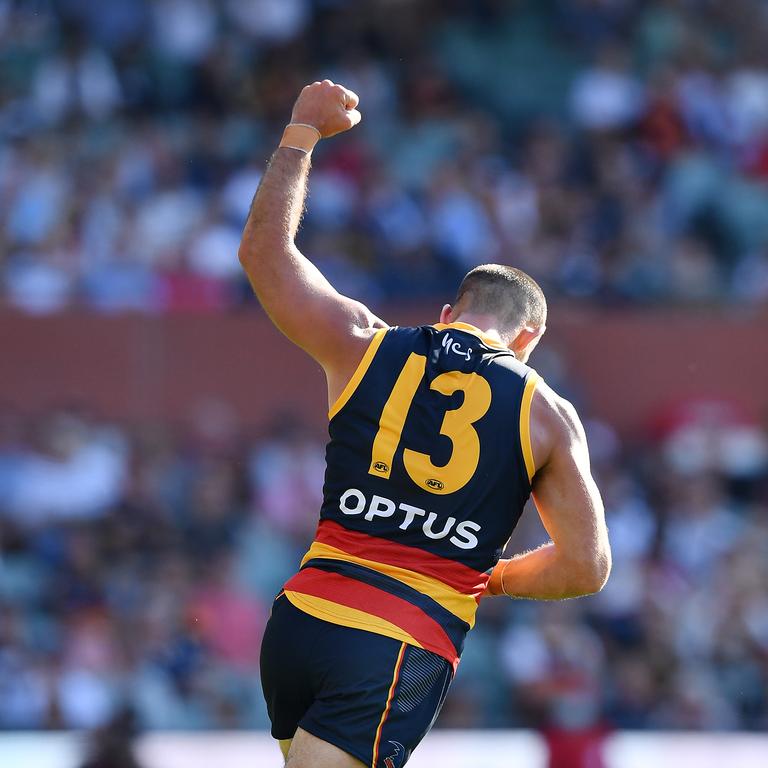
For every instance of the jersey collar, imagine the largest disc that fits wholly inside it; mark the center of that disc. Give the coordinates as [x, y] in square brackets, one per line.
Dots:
[487, 340]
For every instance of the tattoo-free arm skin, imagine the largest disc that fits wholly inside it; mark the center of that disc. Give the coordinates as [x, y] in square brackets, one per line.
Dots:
[332, 328]
[577, 560]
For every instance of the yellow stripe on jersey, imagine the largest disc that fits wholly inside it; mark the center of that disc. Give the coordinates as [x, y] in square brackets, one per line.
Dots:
[459, 604]
[336, 613]
[394, 414]
[525, 424]
[357, 376]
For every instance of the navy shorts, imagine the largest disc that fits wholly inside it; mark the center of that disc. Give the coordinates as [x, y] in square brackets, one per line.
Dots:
[373, 697]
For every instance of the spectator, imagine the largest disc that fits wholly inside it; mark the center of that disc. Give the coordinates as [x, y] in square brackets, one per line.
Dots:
[131, 145]
[615, 150]
[153, 585]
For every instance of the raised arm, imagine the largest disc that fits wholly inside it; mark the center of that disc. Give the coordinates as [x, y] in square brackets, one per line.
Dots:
[577, 561]
[332, 328]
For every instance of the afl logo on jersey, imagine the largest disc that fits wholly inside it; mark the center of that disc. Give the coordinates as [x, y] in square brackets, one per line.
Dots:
[380, 466]
[437, 485]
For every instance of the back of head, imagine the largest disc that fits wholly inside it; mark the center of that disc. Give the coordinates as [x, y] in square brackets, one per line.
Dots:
[510, 296]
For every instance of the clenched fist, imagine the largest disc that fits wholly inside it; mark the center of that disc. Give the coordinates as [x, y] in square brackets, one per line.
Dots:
[329, 107]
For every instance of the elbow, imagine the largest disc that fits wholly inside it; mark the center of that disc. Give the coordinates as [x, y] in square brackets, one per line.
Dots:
[246, 253]
[591, 575]
[249, 255]
[255, 241]
[261, 249]
[592, 582]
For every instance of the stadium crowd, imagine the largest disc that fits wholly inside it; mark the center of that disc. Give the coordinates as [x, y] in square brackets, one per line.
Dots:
[138, 564]
[616, 149]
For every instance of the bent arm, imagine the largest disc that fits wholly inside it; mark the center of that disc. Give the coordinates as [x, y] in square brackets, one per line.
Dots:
[332, 328]
[577, 560]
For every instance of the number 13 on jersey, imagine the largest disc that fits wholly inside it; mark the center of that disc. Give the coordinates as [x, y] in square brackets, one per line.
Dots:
[457, 426]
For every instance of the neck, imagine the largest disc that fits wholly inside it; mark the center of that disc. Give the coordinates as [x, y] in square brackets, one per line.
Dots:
[485, 323]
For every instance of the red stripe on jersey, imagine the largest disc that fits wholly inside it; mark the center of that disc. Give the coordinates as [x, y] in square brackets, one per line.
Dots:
[375, 602]
[460, 577]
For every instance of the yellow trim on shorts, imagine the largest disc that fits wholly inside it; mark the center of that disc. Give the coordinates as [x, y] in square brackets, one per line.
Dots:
[357, 376]
[336, 613]
[395, 677]
[525, 424]
[459, 604]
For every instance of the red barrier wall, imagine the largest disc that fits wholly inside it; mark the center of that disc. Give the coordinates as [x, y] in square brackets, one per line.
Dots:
[626, 363]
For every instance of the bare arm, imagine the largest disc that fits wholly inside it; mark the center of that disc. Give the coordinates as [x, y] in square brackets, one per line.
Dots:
[332, 328]
[577, 560]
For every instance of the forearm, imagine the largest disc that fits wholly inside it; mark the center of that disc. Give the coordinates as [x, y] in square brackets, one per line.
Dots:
[277, 207]
[543, 574]
[322, 110]
[281, 276]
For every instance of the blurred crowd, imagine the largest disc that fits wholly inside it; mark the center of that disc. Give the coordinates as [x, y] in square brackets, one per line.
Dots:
[616, 149]
[138, 564]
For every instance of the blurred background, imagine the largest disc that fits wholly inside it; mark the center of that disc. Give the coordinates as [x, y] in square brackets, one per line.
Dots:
[161, 447]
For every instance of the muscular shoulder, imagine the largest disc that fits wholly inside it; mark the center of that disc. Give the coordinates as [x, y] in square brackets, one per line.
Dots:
[357, 343]
[343, 365]
[554, 424]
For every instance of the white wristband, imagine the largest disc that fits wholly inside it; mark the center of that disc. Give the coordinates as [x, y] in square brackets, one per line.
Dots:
[301, 136]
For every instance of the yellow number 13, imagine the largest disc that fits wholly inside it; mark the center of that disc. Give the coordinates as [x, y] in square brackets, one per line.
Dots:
[457, 425]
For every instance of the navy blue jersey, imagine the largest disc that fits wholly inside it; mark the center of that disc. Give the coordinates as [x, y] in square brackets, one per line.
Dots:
[429, 466]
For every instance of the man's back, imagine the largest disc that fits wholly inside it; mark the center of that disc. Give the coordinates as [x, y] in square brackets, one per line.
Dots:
[428, 469]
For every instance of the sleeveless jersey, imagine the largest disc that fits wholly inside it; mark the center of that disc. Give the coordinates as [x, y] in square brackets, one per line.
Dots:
[428, 468]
